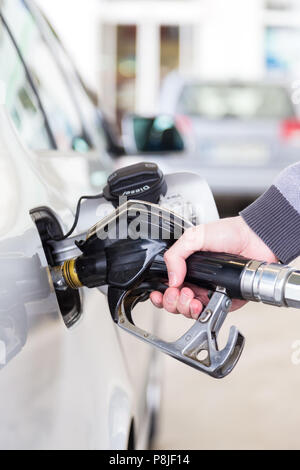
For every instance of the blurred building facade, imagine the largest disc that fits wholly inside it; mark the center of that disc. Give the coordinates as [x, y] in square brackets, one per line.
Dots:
[124, 48]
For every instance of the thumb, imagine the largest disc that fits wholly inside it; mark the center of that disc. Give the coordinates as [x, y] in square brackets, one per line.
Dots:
[191, 241]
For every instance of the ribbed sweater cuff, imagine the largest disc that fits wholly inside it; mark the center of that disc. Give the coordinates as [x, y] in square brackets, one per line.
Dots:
[276, 222]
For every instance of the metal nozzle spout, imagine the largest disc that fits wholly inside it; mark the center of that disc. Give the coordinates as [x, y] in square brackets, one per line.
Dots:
[292, 290]
[273, 284]
[58, 279]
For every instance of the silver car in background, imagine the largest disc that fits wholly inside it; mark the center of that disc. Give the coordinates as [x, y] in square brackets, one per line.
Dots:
[239, 135]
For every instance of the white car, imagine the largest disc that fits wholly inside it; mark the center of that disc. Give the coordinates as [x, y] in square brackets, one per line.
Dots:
[64, 383]
[85, 388]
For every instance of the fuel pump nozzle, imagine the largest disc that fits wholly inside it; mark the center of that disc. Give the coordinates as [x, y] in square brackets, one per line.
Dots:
[125, 252]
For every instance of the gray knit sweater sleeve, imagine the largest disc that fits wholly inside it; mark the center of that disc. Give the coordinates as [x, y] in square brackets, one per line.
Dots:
[275, 216]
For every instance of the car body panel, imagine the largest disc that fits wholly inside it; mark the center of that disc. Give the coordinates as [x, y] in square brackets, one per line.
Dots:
[104, 415]
[58, 389]
[83, 388]
[238, 143]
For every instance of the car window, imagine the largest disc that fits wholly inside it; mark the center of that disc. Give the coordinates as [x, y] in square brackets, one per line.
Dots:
[20, 100]
[87, 109]
[48, 79]
[215, 101]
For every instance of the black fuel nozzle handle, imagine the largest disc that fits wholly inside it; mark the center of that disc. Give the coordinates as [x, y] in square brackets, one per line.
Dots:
[127, 263]
[208, 270]
[125, 266]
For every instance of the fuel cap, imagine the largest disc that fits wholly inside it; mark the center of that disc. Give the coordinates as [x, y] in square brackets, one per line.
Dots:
[142, 181]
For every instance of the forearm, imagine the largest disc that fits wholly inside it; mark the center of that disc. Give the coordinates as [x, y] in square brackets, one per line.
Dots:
[275, 216]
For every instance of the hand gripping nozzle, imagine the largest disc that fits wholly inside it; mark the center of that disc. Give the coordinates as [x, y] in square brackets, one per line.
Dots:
[133, 267]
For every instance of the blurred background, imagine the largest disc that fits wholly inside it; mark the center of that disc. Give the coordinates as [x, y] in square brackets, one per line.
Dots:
[228, 73]
[125, 48]
[219, 83]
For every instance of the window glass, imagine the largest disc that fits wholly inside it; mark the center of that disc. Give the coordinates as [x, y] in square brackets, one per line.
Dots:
[20, 99]
[49, 81]
[236, 101]
[87, 108]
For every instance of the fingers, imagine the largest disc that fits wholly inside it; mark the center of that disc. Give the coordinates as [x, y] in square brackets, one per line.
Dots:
[157, 299]
[196, 308]
[184, 301]
[176, 301]
[192, 240]
[170, 299]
